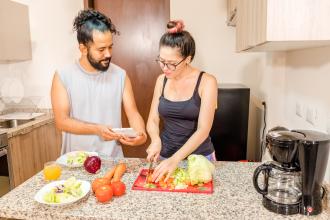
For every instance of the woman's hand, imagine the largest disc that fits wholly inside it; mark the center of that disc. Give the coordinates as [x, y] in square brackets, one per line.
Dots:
[166, 167]
[153, 151]
[138, 140]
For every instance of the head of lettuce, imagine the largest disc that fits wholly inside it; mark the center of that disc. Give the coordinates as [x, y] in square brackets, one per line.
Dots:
[200, 169]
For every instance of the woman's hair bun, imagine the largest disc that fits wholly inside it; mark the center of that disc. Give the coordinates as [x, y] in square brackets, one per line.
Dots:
[175, 26]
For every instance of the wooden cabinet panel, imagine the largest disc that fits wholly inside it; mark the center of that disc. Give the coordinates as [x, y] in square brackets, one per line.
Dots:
[28, 152]
[15, 32]
[270, 25]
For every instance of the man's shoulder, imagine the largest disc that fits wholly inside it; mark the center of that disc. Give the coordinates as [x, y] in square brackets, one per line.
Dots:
[67, 68]
[115, 69]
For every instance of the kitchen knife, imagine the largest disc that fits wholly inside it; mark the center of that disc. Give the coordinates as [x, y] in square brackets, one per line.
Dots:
[149, 172]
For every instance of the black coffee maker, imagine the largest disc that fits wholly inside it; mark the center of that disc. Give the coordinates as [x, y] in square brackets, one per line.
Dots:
[292, 182]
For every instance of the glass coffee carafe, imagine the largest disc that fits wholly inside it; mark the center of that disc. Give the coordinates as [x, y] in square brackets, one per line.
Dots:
[281, 185]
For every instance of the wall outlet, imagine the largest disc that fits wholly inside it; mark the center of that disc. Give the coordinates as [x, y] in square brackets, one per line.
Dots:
[298, 109]
[311, 115]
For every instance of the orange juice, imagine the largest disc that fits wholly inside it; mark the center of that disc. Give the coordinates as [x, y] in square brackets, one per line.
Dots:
[52, 171]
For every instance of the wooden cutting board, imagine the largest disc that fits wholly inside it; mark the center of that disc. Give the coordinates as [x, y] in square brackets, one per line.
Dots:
[140, 184]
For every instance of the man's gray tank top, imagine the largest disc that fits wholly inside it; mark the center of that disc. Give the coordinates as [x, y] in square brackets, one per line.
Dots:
[180, 122]
[94, 98]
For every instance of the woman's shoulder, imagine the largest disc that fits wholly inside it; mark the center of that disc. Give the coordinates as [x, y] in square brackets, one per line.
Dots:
[208, 79]
[160, 79]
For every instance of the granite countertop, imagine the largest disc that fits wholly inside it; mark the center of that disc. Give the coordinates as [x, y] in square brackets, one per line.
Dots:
[234, 197]
[27, 127]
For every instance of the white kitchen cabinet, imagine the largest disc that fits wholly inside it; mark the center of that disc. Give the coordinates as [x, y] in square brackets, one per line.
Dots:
[274, 25]
[15, 40]
[231, 12]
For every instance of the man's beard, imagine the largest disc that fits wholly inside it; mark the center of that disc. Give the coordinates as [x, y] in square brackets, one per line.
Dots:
[98, 64]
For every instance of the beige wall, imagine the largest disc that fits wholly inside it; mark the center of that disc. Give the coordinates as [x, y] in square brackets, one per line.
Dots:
[215, 53]
[53, 45]
[307, 82]
[282, 79]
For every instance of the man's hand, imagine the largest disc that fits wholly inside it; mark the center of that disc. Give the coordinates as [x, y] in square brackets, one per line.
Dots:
[106, 134]
[138, 140]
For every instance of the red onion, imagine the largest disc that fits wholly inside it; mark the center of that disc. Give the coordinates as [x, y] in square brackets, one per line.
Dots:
[92, 164]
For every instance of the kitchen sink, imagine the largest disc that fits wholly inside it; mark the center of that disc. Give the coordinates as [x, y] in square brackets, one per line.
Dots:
[13, 123]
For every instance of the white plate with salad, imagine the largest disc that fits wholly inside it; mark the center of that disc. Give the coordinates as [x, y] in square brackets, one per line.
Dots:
[75, 158]
[63, 192]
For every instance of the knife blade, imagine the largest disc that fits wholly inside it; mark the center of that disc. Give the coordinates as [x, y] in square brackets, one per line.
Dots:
[149, 172]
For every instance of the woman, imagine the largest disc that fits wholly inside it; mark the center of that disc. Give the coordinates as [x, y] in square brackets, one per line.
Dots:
[185, 98]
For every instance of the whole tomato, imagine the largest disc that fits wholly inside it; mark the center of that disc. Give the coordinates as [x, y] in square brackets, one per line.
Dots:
[99, 182]
[104, 193]
[118, 188]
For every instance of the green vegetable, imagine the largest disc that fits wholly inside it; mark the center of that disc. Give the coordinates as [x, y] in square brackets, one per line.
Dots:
[72, 187]
[77, 158]
[181, 178]
[64, 193]
[200, 169]
[51, 197]
[150, 185]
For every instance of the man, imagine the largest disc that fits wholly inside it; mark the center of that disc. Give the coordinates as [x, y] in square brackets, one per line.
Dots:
[87, 96]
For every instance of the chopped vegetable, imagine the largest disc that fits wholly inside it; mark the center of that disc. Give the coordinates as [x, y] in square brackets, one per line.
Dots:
[181, 178]
[64, 193]
[150, 185]
[77, 158]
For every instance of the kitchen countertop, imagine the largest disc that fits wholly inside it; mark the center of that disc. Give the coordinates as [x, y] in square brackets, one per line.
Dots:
[234, 197]
[27, 127]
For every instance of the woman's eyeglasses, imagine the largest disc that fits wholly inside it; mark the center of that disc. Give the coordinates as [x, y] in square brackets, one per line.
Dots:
[169, 66]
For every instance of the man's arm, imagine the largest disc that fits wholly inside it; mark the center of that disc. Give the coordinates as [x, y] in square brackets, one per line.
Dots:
[61, 109]
[134, 118]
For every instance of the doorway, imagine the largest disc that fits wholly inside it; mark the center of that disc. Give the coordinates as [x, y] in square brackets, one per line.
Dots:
[141, 24]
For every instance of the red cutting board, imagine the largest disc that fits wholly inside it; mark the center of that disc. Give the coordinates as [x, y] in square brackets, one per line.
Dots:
[139, 184]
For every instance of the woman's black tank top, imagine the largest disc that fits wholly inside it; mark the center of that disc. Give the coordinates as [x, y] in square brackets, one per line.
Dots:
[180, 122]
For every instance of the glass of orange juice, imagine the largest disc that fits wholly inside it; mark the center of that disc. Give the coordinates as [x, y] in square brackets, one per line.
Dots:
[52, 171]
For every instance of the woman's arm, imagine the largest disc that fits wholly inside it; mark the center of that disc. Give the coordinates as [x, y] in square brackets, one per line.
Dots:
[153, 122]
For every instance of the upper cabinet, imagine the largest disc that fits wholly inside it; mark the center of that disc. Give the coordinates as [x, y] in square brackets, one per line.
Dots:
[274, 25]
[15, 40]
[231, 12]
